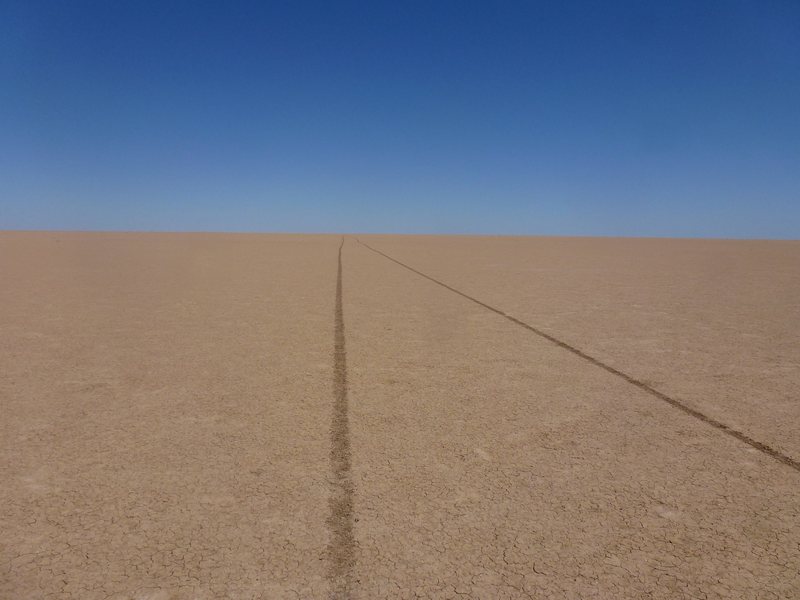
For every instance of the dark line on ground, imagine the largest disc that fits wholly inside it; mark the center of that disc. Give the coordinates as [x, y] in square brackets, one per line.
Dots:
[742, 437]
[341, 547]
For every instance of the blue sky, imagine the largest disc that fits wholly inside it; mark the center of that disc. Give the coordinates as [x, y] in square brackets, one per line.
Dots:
[584, 118]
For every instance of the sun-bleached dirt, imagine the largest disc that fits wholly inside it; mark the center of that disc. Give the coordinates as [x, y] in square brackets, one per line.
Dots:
[715, 323]
[166, 406]
[514, 469]
[275, 416]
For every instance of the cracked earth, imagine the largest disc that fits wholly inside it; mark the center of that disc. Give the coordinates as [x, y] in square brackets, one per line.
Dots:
[174, 407]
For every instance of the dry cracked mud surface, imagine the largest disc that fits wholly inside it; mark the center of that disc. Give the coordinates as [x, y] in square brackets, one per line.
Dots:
[190, 416]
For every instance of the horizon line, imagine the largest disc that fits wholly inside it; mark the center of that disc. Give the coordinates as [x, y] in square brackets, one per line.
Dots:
[408, 234]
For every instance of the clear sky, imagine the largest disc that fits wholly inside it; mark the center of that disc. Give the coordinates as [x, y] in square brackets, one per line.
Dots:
[572, 117]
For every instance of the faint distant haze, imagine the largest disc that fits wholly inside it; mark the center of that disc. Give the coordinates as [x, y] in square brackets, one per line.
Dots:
[582, 118]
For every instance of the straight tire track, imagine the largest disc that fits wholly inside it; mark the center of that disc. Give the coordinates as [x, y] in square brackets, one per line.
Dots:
[341, 546]
[742, 437]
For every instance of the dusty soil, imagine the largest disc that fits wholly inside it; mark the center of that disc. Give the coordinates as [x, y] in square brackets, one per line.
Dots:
[166, 401]
[236, 416]
[715, 323]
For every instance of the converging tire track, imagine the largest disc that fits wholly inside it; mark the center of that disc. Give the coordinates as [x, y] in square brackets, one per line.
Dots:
[742, 437]
[341, 547]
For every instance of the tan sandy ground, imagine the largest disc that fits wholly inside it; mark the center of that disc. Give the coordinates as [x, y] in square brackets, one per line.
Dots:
[166, 401]
[713, 322]
[492, 463]
[167, 407]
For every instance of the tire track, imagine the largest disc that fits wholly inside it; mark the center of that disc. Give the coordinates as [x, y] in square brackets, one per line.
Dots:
[341, 546]
[742, 437]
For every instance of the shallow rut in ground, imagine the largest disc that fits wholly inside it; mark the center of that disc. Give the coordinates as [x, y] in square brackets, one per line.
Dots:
[341, 548]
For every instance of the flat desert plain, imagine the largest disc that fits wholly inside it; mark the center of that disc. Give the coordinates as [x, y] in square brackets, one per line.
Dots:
[192, 416]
